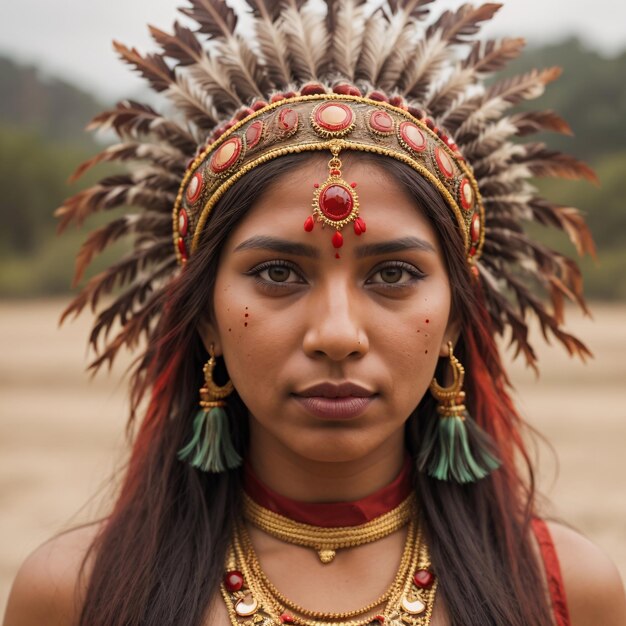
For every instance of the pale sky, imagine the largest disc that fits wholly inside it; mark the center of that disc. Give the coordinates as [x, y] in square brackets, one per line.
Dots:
[72, 38]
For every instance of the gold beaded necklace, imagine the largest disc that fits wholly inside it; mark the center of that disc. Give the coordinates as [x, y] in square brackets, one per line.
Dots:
[326, 541]
[253, 600]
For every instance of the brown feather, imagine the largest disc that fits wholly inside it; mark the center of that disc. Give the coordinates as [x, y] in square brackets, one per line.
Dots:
[155, 224]
[530, 122]
[133, 119]
[544, 162]
[215, 17]
[151, 66]
[170, 159]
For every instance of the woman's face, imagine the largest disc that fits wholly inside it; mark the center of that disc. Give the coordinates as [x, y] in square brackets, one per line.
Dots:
[331, 355]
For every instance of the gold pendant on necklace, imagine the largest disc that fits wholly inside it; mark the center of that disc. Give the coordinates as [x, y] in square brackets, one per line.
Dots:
[326, 556]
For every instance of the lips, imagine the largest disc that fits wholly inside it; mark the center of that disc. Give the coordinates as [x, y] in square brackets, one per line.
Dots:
[335, 401]
[334, 390]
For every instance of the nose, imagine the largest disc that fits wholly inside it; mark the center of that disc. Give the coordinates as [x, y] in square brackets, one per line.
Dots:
[335, 330]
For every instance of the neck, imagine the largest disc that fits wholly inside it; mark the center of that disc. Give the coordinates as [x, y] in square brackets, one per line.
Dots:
[309, 480]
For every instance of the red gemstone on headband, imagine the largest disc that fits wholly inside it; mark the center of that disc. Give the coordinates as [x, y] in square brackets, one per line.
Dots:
[183, 222]
[444, 162]
[285, 618]
[423, 578]
[336, 202]
[467, 195]
[475, 229]
[288, 119]
[379, 618]
[182, 249]
[226, 155]
[254, 134]
[233, 581]
[381, 122]
[309, 223]
[412, 136]
[194, 189]
[333, 116]
[337, 240]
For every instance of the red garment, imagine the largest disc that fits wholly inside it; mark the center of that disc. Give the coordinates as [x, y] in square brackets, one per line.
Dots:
[332, 514]
[553, 572]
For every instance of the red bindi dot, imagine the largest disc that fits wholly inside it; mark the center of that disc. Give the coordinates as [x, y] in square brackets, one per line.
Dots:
[246, 324]
[428, 321]
[337, 255]
[425, 351]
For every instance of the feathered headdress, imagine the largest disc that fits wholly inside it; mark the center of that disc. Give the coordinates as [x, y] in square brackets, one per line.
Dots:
[221, 82]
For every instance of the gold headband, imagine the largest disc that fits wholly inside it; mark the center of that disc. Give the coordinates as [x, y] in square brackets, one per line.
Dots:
[327, 122]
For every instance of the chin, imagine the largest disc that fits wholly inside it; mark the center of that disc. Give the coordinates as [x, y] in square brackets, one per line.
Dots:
[333, 446]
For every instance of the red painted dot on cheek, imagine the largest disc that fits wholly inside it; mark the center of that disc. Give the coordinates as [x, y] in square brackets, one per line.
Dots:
[428, 321]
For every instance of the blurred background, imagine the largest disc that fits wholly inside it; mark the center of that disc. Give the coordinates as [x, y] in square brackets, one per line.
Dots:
[61, 434]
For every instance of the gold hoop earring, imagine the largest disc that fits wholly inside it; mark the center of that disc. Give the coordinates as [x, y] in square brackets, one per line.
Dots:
[211, 448]
[456, 448]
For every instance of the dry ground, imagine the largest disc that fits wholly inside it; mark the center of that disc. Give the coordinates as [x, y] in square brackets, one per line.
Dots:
[61, 435]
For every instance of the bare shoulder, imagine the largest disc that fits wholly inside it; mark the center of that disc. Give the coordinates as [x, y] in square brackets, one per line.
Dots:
[46, 589]
[593, 586]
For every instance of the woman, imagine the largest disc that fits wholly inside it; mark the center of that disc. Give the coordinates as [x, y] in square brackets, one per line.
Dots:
[341, 265]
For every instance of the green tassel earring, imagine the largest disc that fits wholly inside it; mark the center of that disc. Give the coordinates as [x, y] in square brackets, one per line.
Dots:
[456, 448]
[211, 448]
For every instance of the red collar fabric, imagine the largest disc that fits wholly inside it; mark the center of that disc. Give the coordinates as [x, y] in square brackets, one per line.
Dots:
[332, 514]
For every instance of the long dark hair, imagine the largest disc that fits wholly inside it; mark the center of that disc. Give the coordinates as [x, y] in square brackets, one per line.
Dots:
[158, 559]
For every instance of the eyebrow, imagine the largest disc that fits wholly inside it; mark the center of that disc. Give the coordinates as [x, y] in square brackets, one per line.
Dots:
[283, 246]
[395, 245]
[278, 245]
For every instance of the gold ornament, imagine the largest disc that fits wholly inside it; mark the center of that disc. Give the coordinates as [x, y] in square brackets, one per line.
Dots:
[326, 541]
[408, 601]
[450, 399]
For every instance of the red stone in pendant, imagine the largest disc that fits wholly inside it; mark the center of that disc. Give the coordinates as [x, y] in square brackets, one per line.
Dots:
[285, 618]
[183, 222]
[337, 240]
[309, 223]
[379, 618]
[233, 581]
[254, 134]
[336, 202]
[423, 578]
[359, 226]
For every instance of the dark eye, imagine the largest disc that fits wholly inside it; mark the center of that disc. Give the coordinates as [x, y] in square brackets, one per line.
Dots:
[278, 273]
[274, 273]
[391, 274]
[396, 274]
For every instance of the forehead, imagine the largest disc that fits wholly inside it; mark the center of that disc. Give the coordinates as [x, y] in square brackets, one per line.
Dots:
[385, 204]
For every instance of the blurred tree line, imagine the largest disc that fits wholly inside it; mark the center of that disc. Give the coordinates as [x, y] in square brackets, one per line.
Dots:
[42, 141]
